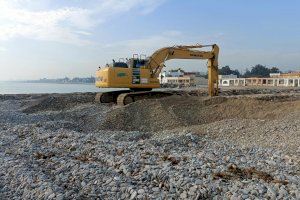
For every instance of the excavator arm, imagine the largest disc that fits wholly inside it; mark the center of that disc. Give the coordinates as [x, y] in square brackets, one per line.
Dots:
[158, 58]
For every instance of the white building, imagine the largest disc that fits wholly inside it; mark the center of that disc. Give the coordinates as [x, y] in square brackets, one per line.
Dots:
[173, 73]
[178, 81]
[179, 77]
[276, 79]
[231, 80]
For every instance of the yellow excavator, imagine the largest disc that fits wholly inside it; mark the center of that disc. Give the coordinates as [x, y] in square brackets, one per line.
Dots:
[140, 74]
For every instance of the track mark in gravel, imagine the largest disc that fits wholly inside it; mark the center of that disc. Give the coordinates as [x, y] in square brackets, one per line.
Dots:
[234, 172]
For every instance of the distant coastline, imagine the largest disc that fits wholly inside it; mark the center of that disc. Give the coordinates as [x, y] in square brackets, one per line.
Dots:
[66, 80]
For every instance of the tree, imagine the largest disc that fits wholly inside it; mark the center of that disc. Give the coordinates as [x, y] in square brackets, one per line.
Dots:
[260, 71]
[226, 70]
[247, 74]
[236, 72]
[274, 70]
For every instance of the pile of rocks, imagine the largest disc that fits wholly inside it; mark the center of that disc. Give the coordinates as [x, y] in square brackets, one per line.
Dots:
[58, 154]
[38, 163]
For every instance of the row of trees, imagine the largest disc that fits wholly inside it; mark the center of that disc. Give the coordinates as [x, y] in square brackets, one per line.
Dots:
[256, 71]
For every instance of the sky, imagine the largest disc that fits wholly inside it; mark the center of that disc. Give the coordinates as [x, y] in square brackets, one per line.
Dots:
[58, 38]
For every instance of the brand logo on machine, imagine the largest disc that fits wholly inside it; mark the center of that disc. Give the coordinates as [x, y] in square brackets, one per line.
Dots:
[196, 55]
[121, 74]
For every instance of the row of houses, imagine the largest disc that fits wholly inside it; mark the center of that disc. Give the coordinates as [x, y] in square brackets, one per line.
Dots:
[178, 77]
[275, 79]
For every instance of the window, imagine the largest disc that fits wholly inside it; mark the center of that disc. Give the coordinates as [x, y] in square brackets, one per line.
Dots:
[281, 81]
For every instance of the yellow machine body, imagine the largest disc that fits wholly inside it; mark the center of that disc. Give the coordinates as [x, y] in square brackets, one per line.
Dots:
[116, 77]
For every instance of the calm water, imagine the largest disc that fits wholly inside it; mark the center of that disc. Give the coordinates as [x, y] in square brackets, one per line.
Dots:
[25, 88]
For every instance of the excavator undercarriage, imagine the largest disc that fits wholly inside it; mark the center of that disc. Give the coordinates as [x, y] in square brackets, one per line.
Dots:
[124, 97]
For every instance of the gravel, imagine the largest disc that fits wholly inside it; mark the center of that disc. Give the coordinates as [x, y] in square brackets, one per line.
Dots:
[68, 151]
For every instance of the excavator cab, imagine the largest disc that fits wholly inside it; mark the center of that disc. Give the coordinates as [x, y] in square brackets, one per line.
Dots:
[121, 63]
[137, 61]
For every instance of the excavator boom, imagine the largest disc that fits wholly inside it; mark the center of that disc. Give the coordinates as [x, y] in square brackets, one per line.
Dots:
[158, 58]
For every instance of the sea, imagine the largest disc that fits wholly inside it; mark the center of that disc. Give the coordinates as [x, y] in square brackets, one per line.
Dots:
[13, 87]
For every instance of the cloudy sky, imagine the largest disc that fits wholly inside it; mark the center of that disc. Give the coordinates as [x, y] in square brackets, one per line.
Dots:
[57, 38]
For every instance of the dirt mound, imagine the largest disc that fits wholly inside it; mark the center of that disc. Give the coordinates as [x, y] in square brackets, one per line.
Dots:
[6, 97]
[176, 111]
[56, 102]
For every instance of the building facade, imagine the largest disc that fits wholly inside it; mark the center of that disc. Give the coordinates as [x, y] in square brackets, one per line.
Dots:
[184, 81]
[180, 78]
[275, 79]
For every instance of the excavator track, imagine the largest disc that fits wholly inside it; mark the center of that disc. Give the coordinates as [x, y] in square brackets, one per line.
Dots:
[109, 97]
[127, 98]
